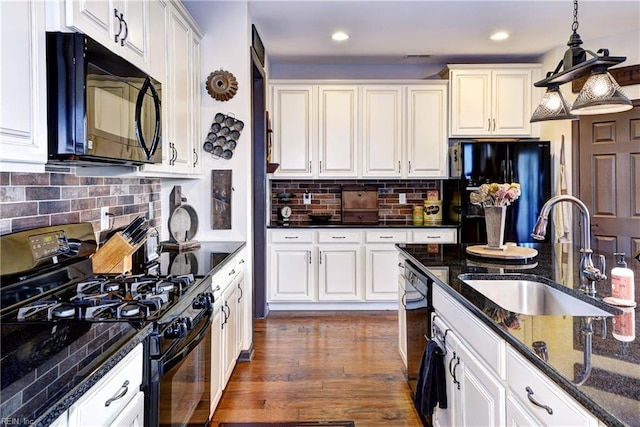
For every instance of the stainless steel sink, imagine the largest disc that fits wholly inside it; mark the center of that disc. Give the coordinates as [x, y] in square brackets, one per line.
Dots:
[534, 295]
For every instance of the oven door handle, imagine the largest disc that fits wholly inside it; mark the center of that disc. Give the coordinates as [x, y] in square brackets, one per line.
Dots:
[175, 357]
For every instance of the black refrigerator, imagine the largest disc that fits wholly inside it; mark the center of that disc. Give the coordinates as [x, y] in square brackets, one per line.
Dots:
[525, 162]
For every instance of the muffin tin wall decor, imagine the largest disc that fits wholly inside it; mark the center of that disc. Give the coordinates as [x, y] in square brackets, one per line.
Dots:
[223, 136]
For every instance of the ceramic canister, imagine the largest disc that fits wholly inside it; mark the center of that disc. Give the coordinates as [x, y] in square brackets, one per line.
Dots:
[418, 215]
[432, 211]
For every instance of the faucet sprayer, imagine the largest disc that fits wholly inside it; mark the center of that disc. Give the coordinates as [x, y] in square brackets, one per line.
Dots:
[589, 274]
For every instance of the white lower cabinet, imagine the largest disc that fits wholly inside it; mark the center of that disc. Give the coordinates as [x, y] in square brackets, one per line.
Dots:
[339, 272]
[229, 331]
[217, 380]
[402, 313]
[115, 398]
[489, 383]
[475, 395]
[347, 265]
[541, 399]
[381, 264]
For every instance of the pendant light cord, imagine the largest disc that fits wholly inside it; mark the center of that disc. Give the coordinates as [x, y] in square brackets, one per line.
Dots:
[575, 24]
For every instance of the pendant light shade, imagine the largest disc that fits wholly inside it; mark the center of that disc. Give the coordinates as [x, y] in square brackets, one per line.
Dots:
[601, 94]
[553, 106]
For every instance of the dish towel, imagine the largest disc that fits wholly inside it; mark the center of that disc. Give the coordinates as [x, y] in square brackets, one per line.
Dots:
[431, 389]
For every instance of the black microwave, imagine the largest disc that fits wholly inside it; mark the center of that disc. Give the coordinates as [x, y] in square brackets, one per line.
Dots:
[100, 107]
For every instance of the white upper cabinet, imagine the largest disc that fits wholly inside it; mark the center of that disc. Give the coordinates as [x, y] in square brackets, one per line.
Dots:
[315, 131]
[293, 124]
[382, 131]
[338, 131]
[360, 130]
[427, 131]
[491, 100]
[120, 25]
[23, 104]
[180, 92]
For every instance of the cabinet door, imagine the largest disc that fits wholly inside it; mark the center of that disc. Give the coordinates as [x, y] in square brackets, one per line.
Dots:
[470, 102]
[95, 19]
[291, 277]
[381, 131]
[339, 273]
[293, 122]
[136, 29]
[402, 313]
[381, 273]
[23, 122]
[229, 331]
[179, 90]
[481, 395]
[448, 417]
[338, 131]
[517, 415]
[511, 102]
[427, 143]
[157, 47]
[217, 355]
[195, 139]
[133, 414]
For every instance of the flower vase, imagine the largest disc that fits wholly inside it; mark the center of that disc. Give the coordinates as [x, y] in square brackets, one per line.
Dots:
[495, 219]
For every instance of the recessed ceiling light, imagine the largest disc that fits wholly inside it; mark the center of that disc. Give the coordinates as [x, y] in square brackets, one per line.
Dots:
[340, 36]
[500, 35]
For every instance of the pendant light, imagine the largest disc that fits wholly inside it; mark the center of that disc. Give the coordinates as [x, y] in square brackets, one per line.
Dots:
[601, 94]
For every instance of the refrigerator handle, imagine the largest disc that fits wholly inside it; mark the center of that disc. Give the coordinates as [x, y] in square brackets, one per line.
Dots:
[503, 170]
[510, 171]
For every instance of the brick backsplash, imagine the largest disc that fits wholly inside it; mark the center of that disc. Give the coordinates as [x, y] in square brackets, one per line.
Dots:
[59, 196]
[326, 197]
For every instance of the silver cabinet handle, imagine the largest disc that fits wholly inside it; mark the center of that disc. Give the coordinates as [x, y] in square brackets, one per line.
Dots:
[241, 261]
[120, 19]
[241, 292]
[310, 169]
[338, 237]
[434, 237]
[398, 166]
[489, 127]
[409, 165]
[320, 166]
[494, 125]
[386, 237]
[120, 395]
[309, 252]
[535, 402]
[232, 272]
[320, 259]
[290, 237]
[400, 265]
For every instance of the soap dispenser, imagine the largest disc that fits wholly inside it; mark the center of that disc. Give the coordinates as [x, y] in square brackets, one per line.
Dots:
[622, 284]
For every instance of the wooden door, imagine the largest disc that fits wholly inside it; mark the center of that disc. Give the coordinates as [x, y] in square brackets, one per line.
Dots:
[609, 178]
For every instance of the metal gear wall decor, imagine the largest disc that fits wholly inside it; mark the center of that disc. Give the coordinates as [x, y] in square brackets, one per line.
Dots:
[222, 85]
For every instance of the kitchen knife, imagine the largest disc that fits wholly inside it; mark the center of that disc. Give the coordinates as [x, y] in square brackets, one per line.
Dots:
[132, 227]
[139, 236]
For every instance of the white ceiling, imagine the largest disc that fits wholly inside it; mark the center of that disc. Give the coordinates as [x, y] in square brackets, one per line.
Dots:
[383, 32]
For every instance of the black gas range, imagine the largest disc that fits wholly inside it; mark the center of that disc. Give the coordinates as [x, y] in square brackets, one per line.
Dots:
[60, 322]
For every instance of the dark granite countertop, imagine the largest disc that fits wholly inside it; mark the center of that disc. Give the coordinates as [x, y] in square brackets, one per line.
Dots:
[612, 390]
[381, 224]
[122, 336]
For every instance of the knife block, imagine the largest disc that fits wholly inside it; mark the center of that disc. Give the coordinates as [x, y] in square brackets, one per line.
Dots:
[114, 257]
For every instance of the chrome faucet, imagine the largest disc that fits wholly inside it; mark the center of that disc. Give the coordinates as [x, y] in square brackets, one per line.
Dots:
[589, 274]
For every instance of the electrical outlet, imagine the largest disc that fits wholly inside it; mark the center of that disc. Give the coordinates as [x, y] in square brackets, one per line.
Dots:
[151, 216]
[403, 198]
[307, 198]
[104, 217]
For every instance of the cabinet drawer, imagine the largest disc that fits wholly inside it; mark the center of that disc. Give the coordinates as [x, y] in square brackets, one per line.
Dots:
[385, 236]
[482, 341]
[125, 378]
[292, 236]
[338, 236]
[522, 374]
[436, 235]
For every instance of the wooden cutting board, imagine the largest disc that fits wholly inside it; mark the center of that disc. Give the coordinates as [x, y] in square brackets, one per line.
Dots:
[512, 251]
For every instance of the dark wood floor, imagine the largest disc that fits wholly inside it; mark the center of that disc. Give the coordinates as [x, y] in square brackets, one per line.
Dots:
[322, 366]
